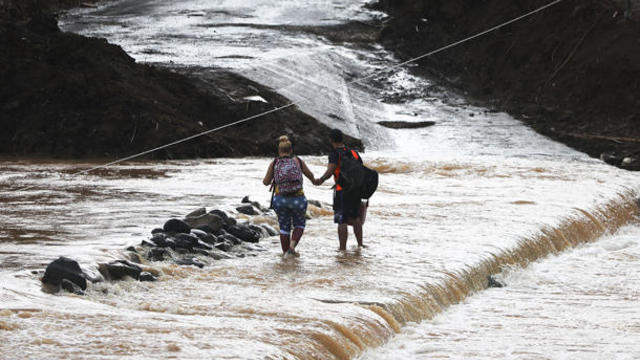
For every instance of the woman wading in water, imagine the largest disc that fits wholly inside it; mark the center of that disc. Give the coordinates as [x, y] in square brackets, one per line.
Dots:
[289, 202]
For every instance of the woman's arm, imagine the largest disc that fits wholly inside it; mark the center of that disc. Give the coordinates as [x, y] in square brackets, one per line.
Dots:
[268, 178]
[306, 171]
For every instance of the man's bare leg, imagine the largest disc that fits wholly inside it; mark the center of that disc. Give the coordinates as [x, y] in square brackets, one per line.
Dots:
[343, 234]
[357, 230]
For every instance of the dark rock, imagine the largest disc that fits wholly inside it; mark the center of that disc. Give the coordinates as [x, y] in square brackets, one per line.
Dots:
[132, 249]
[186, 241]
[157, 254]
[43, 24]
[157, 231]
[405, 124]
[630, 163]
[71, 287]
[196, 213]
[190, 261]
[204, 236]
[247, 210]
[118, 269]
[241, 255]
[212, 221]
[315, 203]
[177, 226]
[228, 237]
[493, 282]
[225, 245]
[259, 230]
[207, 229]
[611, 158]
[64, 268]
[246, 200]
[163, 240]
[243, 233]
[145, 276]
[230, 221]
[148, 243]
[220, 213]
[135, 257]
[270, 230]
[202, 245]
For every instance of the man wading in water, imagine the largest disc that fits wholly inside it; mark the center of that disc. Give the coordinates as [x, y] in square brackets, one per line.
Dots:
[347, 206]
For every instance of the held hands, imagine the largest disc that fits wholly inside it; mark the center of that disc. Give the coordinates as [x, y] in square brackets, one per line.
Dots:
[318, 181]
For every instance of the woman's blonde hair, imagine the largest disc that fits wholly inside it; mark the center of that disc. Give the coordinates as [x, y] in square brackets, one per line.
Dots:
[284, 145]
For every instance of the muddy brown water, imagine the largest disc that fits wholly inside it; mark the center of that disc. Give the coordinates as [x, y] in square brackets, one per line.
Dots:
[474, 194]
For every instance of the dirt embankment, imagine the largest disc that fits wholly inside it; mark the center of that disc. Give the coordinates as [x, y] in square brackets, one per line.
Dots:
[572, 71]
[65, 95]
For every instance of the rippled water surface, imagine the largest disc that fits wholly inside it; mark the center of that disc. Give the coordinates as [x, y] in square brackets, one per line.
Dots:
[579, 305]
[458, 201]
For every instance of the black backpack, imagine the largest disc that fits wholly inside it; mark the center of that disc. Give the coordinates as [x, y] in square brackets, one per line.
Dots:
[355, 177]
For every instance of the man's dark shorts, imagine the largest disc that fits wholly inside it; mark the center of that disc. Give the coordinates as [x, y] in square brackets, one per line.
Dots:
[345, 206]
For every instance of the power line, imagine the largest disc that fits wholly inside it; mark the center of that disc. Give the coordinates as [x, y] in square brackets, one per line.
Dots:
[359, 80]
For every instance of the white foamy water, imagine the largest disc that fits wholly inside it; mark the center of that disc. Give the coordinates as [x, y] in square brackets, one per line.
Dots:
[456, 202]
[578, 305]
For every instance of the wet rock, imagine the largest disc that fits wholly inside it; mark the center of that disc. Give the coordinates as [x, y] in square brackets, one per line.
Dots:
[243, 233]
[64, 268]
[259, 230]
[406, 124]
[225, 245]
[186, 241]
[196, 213]
[163, 240]
[495, 283]
[204, 236]
[148, 243]
[270, 230]
[228, 237]
[71, 287]
[202, 245]
[246, 200]
[230, 221]
[315, 203]
[157, 231]
[119, 269]
[190, 261]
[176, 226]
[610, 158]
[135, 257]
[132, 249]
[157, 254]
[210, 220]
[630, 163]
[220, 213]
[145, 276]
[247, 210]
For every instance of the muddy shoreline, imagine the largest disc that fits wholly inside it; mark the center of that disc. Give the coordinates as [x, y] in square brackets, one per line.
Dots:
[69, 96]
[571, 72]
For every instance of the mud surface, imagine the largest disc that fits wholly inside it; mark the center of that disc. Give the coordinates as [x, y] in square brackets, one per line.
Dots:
[572, 72]
[68, 96]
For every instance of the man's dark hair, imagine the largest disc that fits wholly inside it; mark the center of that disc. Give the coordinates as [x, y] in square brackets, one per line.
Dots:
[335, 135]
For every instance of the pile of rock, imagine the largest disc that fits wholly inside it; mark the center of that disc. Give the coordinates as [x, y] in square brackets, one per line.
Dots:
[201, 237]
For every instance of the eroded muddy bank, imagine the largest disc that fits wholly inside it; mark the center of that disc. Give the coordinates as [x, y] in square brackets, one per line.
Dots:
[68, 96]
[572, 72]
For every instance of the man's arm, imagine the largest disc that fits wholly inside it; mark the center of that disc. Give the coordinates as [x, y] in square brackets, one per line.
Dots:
[331, 168]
